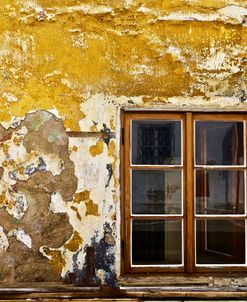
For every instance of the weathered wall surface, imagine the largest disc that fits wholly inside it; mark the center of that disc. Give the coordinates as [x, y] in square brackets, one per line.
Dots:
[67, 67]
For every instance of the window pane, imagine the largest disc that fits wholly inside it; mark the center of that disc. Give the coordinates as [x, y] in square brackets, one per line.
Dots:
[219, 192]
[156, 192]
[156, 242]
[219, 143]
[220, 241]
[156, 142]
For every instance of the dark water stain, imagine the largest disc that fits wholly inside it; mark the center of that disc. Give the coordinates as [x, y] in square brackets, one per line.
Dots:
[109, 176]
[107, 134]
[102, 258]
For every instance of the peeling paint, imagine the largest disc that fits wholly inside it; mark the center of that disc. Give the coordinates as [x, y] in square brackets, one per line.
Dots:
[4, 243]
[22, 237]
[67, 70]
[56, 258]
[74, 243]
[96, 149]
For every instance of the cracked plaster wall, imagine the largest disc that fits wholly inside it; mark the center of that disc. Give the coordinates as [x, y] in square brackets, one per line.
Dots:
[69, 66]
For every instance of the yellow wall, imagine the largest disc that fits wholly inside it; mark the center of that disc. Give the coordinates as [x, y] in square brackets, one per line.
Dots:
[82, 61]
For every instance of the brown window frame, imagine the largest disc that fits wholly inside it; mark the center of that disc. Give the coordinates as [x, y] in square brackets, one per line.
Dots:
[189, 218]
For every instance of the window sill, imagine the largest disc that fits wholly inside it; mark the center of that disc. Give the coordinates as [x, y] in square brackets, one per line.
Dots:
[190, 286]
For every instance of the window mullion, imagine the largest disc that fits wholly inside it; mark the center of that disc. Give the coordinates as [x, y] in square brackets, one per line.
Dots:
[189, 193]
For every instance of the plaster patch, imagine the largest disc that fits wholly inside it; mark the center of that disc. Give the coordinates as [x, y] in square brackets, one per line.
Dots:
[234, 12]
[97, 149]
[22, 237]
[57, 204]
[9, 97]
[4, 243]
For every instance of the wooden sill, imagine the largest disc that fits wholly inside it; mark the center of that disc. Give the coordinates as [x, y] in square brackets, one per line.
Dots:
[134, 287]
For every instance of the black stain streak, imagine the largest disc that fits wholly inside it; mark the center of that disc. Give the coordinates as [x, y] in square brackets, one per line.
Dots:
[243, 97]
[107, 134]
[110, 172]
[103, 258]
[244, 19]
[30, 169]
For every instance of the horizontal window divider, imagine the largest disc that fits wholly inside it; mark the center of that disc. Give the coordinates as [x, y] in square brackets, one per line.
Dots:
[157, 265]
[155, 167]
[203, 167]
[156, 217]
[203, 217]
[213, 266]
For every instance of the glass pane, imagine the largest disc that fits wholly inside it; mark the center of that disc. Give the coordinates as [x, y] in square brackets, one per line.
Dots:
[156, 242]
[156, 192]
[220, 241]
[219, 143]
[156, 142]
[219, 192]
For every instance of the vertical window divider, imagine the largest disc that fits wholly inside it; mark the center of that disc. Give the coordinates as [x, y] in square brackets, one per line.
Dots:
[189, 185]
[245, 184]
[127, 216]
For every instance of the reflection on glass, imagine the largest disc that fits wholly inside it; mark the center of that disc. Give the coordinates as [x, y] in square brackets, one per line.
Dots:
[156, 192]
[219, 143]
[156, 242]
[220, 241]
[156, 142]
[219, 192]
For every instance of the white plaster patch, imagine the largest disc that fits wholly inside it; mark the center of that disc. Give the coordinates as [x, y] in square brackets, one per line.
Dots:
[79, 41]
[55, 112]
[18, 202]
[21, 236]
[4, 243]
[18, 46]
[234, 12]
[128, 3]
[181, 16]
[13, 123]
[57, 204]
[216, 60]
[101, 109]
[9, 97]
[87, 9]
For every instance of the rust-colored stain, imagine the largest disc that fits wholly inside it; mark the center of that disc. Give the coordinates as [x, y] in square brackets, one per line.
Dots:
[97, 149]
[74, 243]
[112, 153]
[4, 164]
[93, 128]
[77, 212]
[57, 260]
[114, 197]
[21, 170]
[114, 217]
[3, 198]
[74, 148]
[112, 124]
[17, 141]
[81, 196]
[92, 208]
[5, 149]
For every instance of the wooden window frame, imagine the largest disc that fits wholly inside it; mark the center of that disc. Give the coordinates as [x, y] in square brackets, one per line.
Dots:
[188, 167]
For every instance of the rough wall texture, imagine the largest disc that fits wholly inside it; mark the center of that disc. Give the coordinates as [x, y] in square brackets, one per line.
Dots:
[70, 66]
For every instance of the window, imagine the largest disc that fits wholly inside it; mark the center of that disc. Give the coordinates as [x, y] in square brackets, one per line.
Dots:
[184, 192]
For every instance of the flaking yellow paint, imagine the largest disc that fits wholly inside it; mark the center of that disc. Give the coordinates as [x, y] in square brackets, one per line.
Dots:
[84, 61]
[74, 243]
[97, 149]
